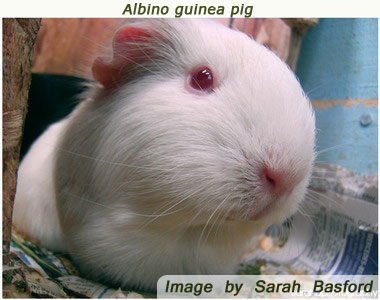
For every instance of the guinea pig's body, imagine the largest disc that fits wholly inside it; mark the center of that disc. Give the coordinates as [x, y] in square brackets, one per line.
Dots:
[153, 174]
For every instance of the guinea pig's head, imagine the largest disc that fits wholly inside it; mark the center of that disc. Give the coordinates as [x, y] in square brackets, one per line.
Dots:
[210, 125]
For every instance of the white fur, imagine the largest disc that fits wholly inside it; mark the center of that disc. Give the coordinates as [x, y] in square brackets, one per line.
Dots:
[145, 177]
[34, 211]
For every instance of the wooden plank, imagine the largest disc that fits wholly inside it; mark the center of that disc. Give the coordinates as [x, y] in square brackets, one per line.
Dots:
[18, 41]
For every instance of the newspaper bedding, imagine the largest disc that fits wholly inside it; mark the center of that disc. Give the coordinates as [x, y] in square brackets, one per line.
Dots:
[335, 232]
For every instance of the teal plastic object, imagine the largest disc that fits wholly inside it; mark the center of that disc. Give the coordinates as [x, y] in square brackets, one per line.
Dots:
[339, 60]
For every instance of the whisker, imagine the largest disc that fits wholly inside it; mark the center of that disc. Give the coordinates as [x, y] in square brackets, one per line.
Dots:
[322, 84]
[319, 177]
[331, 201]
[177, 203]
[324, 171]
[224, 219]
[331, 148]
[205, 226]
[213, 224]
[111, 162]
[146, 54]
[108, 207]
[310, 218]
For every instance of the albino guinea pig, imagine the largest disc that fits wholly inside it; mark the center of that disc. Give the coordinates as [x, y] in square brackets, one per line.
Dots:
[195, 140]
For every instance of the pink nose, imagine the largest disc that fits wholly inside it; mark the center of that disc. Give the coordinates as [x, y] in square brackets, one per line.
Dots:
[277, 182]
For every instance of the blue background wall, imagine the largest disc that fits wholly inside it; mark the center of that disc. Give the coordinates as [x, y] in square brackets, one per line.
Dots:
[339, 61]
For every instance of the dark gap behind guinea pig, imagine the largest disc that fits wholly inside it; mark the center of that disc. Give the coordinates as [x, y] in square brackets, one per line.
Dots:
[51, 98]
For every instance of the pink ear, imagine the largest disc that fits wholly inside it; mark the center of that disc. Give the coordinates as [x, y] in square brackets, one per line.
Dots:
[126, 52]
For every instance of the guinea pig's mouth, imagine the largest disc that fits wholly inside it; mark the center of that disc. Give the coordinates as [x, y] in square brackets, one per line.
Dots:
[265, 211]
[248, 214]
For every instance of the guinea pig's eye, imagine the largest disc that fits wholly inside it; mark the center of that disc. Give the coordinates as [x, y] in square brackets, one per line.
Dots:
[201, 79]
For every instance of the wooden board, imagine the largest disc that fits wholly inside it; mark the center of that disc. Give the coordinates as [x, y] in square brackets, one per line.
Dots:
[18, 41]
